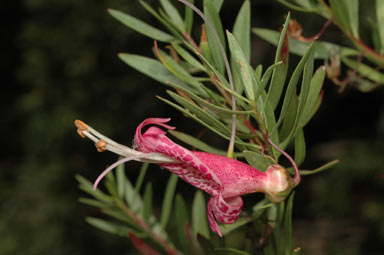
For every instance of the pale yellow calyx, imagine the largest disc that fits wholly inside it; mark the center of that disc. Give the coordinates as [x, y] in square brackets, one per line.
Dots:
[278, 184]
[81, 127]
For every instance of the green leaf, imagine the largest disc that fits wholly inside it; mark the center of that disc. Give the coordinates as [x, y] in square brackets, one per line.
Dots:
[140, 179]
[204, 115]
[178, 70]
[364, 70]
[229, 251]
[228, 228]
[302, 99]
[288, 225]
[150, 67]
[292, 85]
[168, 200]
[289, 120]
[380, 22]
[181, 217]
[196, 143]
[173, 14]
[247, 77]
[188, 20]
[148, 194]
[199, 215]
[188, 57]
[258, 161]
[162, 20]
[242, 29]
[87, 186]
[322, 49]
[320, 169]
[279, 73]
[93, 202]
[310, 106]
[109, 227]
[213, 17]
[202, 101]
[341, 14]
[299, 147]
[141, 27]
[217, 4]
[120, 182]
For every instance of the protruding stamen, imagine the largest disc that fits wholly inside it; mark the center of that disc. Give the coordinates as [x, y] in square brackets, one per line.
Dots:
[81, 127]
[101, 145]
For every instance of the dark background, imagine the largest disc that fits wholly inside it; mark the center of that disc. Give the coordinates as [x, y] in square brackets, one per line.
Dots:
[59, 63]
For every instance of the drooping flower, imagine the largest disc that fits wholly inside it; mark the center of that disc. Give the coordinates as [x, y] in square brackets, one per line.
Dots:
[225, 179]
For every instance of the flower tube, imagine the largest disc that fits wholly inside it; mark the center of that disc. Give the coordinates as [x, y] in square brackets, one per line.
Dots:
[225, 179]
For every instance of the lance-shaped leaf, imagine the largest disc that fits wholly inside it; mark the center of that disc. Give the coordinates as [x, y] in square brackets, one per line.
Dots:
[288, 225]
[312, 101]
[346, 13]
[140, 26]
[150, 67]
[292, 85]
[364, 70]
[246, 72]
[113, 228]
[258, 161]
[280, 72]
[241, 31]
[213, 17]
[168, 200]
[148, 195]
[199, 215]
[173, 14]
[380, 22]
[181, 218]
[299, 147]
[165, 21]
[322, 49]
[188, 19]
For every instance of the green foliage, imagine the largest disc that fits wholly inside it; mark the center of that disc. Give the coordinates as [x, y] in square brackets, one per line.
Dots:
[364, 60]
[206, 88]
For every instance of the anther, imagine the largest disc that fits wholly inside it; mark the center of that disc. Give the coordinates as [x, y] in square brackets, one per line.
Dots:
[101, 145]
[81, 126]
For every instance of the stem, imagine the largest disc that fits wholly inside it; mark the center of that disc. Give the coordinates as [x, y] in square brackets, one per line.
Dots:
[229, 74]
[297, 178]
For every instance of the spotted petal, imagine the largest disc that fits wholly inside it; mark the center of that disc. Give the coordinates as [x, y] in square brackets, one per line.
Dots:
[225, 210]
[191, 168]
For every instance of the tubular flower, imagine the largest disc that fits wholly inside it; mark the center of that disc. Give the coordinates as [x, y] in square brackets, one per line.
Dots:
[225, 179]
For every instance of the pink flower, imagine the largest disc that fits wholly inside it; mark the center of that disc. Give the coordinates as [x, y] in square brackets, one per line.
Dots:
[225, 179]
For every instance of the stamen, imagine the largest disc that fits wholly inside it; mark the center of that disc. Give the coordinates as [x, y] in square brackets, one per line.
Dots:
[81, 127]
[101, 145]
[117, 163]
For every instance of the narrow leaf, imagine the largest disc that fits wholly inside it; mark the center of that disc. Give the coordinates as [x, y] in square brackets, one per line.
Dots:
[246, 71]
[168, 200]
[140, 26]
[148, 194]
[242, 29]
[214, 19]
[279, 73]
[258, 161]
[380, 22]
[181, 218]
[173, 14]
[288, 225]
[299, 147]
[199, 215]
